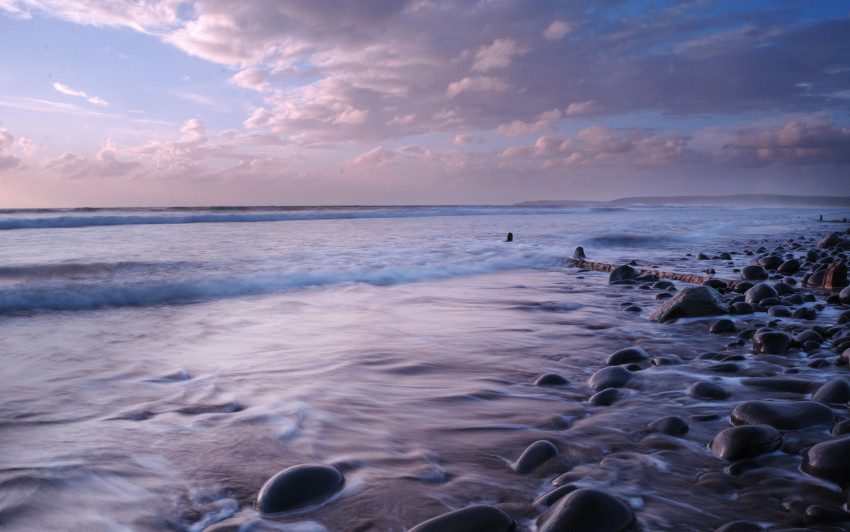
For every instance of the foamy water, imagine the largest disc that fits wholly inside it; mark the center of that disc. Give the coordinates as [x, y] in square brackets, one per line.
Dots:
[159, 366]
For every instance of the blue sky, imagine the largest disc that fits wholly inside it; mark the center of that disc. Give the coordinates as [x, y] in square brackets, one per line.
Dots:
[109, 103]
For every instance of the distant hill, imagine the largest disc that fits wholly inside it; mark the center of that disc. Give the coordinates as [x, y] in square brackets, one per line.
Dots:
[736, 200]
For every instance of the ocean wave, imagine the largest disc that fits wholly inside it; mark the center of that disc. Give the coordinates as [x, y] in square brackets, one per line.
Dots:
[193, 285]
[249, 215]
[83, 269]
[628, 240]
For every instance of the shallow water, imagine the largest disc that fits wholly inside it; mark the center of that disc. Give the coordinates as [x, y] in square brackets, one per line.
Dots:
[155, 375]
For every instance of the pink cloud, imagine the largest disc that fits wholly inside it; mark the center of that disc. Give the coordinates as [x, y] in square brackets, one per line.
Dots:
[499, 54]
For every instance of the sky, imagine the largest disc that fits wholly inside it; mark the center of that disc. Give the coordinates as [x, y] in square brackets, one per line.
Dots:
[330, 102]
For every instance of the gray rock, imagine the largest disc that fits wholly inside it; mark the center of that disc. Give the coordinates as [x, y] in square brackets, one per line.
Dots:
[534, 456]
[671, 425]
[783, 415]
[622, 273]
[845, 295]
[690, 302]
[789, 267]
[759, 292]
[299, 486]
[479, 517]
[829, 459]
[708, 390]
[753, 272]
[722, 326]
[627, 355]
[606, 397]
[746, 441]
[836, 391]
[770, 341]
[588, 510]
[610, 377]
[551, 379]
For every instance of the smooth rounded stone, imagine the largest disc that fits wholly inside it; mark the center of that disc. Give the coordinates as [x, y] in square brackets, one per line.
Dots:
[783, 415]
[741, 526]
[589, 510]
[829, 460]
[789, 267]
[717, 284]
[829, 240]
[753, 272]
[661, 296]
[836, 391]
[743, 308]
[478, 517]
[779, 311]
[551, 379]
[610, 377]
[606, 397]
[804, 313]
[843, 318]
[722, 326]
[769, 302]
[742, 286]
[725, 256]
[627, 355]
[745, 441]
[550, 498]
[534, 456]
[759, 292]
[622, 273]
[809, 336]
[841, 428]
[633, 308]
[844, 295]
[703, 256]
[771, 262]
[782, 288]
[663, 284]
[691, 302]
[671, 425]
[708, 390]
[299, 486]
[793, 299]
[782, 384]
[770, 341]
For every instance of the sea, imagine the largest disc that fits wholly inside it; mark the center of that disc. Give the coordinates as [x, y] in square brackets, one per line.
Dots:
[158, 365]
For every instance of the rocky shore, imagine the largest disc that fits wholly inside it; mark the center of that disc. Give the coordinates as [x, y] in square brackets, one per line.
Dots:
[752, 435]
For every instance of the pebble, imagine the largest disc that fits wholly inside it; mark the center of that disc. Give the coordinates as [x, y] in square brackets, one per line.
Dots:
[745, 441]
[829, 460]
[722, 326]
[783, 415]
[586, 509]
[671, 425]
[479, 517]
[767, 340]
[299, 486]
[606, 397]
[534, 456]
[627, 355]
[610, 377]
[708, 390]
[551, 379]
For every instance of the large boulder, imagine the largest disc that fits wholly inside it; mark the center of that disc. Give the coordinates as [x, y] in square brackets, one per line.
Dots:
[746, 441]
[297, 487]
[587, 509]
[835, 276]
[829, 459]
[690, 302]
[478, 517]
[783, 415]
[759, 292]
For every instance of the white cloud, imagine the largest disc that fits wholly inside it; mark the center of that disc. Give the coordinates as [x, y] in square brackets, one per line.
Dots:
[7, 161]
[253, 78]
[497, 55]
[105, 164]
[580, 108]
[375, 158]
[477, 84]
[64, 89]
[462, 140]
[544, 122]
[557, 30]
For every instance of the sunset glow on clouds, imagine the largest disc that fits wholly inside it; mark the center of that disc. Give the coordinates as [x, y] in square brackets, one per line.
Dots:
[305, 102]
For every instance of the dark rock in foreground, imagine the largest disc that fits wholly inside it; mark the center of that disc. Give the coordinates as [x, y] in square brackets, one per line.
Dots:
[708, 390]
[829, 460]
[671, 425]
[299, 486]
[783, 415]
[610, 377]
[628, 355]
[479, 517]
[551, 379]
[746, 441]
[691, 302]
[622, 273]
[534, 456]
[586, 510]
